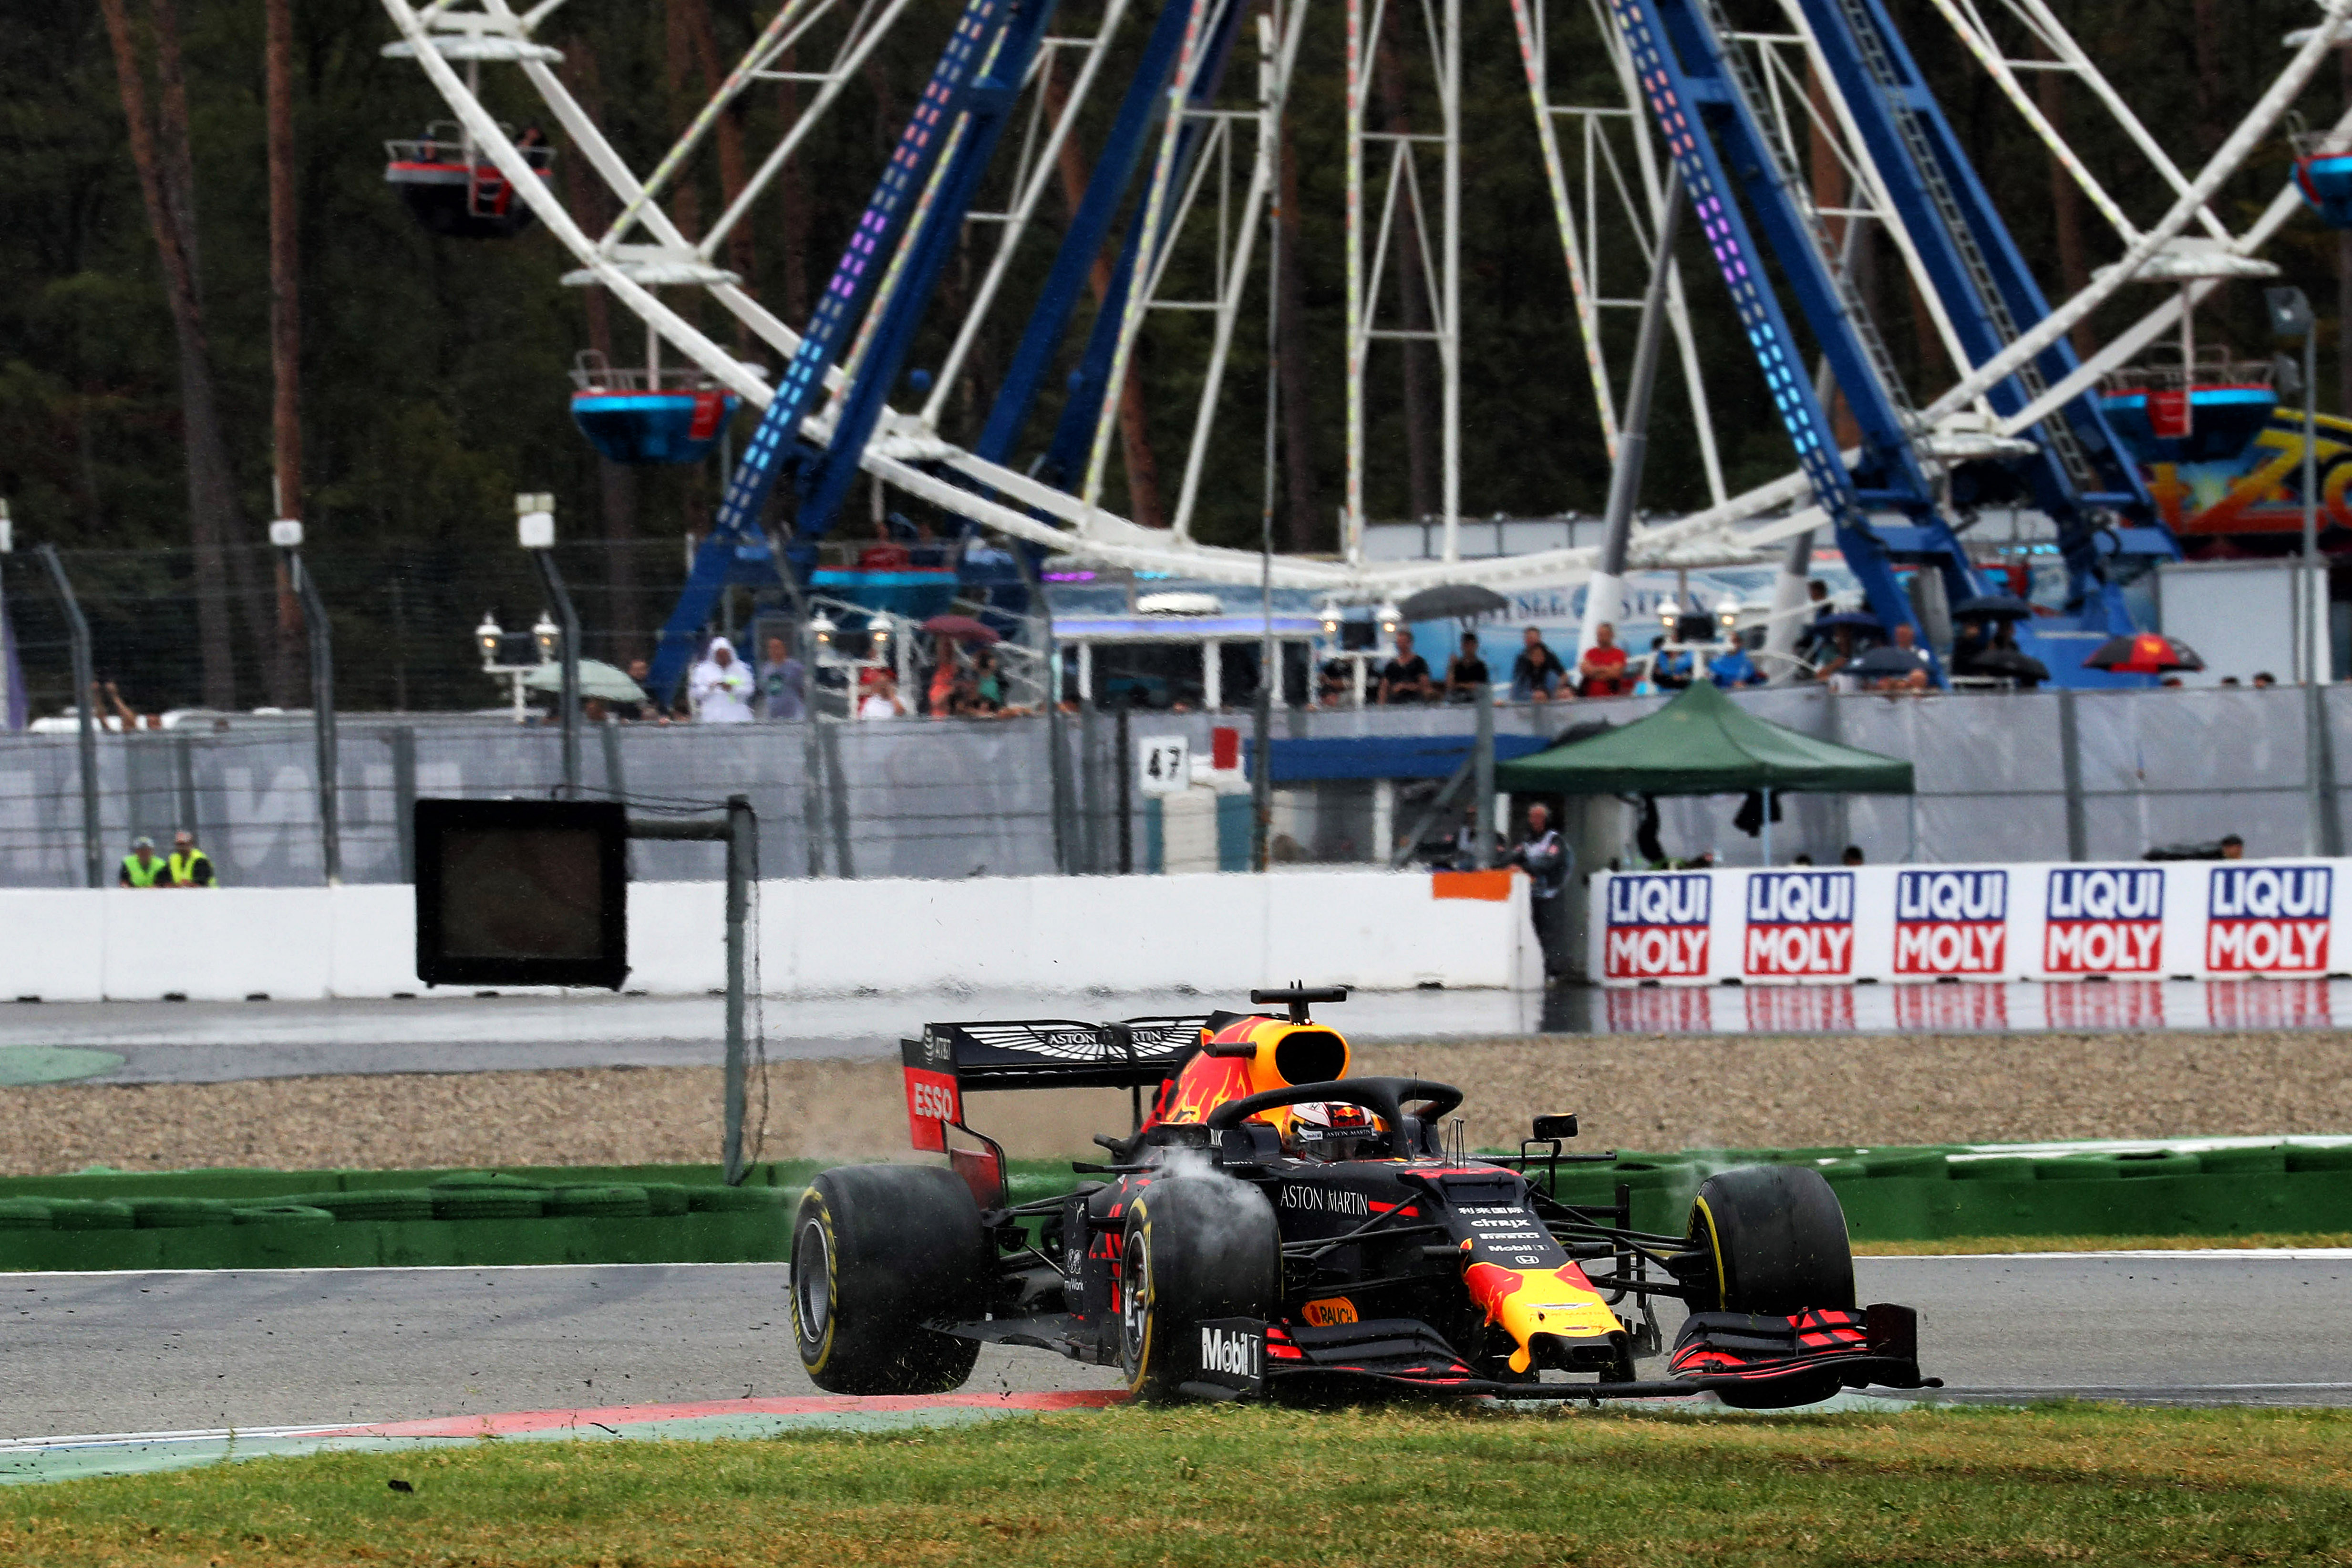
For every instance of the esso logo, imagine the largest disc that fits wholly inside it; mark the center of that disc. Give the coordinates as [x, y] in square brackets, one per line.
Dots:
[1799, 923]
[1950, 922]
[930, 1100]
[2269, 919]
[2105, 920]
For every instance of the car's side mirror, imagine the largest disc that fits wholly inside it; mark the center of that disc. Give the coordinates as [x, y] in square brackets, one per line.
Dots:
[1551, 1127]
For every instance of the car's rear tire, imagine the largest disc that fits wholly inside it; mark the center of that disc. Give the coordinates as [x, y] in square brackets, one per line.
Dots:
[1775, 1240]
[877, 1250]
[1194, 1249]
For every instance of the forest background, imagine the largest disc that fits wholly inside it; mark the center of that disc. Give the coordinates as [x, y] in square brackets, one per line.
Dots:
[434, 381]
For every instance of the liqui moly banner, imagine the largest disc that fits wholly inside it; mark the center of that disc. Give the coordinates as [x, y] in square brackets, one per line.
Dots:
[2178, 920]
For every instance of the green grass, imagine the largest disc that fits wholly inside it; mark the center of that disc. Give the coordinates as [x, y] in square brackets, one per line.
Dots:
[1219, 1486]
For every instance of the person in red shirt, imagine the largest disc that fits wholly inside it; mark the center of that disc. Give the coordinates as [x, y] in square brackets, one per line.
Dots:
[1601, 670]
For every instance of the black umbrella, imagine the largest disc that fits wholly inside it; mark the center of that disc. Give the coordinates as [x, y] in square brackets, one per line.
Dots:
[1886, 661]
[1453, 602]
[1993, 607]
[2009, 661]
[2144, 653]
[1860, 620]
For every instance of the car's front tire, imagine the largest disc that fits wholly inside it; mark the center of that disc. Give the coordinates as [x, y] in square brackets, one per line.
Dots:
[1775, 1241]
[1194, 1249]
[878, 1250]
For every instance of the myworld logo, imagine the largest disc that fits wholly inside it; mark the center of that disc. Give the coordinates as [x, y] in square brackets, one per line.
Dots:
[2269, 918]
[1657, 927]
[1950, 922]
[2105, 920]
[1799, 923]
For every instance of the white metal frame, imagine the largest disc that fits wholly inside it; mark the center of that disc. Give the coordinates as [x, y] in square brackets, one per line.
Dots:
[1614, 162]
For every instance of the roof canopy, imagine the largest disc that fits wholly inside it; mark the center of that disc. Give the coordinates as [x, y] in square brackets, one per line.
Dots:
[1703, 744]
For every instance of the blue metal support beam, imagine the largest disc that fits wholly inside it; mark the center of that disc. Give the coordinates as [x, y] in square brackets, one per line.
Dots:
[1106, 187]
[862, 401]
[1710, 130]
[2080, 475]
[734, 549]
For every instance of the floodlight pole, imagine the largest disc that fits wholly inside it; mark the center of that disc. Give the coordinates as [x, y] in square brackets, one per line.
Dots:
[740, 831]
[78, 629]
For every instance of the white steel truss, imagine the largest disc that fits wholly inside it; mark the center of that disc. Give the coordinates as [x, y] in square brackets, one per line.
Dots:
[1605, 179]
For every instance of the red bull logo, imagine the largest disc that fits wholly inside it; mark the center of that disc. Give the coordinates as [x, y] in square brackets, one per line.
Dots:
[1950, 922]
[1799, 923]
[1658, 928]
[2104, 922]
[2268, 920]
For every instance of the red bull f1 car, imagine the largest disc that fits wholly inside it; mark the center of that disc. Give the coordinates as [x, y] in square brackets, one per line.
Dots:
[1272, 1227]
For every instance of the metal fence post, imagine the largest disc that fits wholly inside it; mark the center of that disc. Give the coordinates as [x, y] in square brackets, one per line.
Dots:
[1482, 814]
[402, 743]
[742, 866]
[2319, 757]
[568, 700]
[1124, 767]
[2070, 754]
[322, 717]
[85, 685]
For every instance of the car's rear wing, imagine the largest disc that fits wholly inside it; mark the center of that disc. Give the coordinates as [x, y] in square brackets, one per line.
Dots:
[1038, 1053]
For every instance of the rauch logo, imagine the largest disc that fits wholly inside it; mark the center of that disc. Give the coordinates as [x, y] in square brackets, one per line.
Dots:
[2268, 918]
[2104, 922]
[1950, 922]
[1799, 923]
[1657, 927]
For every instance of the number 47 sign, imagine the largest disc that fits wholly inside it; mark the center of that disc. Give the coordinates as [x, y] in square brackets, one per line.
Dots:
[1166, 764]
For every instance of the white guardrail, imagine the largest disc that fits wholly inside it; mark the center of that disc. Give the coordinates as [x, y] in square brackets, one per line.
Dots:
[1219, 934]
[2173, 920]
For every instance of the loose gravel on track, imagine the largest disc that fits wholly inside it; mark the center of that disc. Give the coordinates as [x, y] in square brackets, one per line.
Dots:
[1631, 1091]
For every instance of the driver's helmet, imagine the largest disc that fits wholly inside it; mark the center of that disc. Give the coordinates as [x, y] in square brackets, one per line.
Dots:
[1331, 1129]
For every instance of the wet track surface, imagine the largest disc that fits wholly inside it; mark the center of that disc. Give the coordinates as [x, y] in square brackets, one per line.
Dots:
[118, 1353]
[202, 1042]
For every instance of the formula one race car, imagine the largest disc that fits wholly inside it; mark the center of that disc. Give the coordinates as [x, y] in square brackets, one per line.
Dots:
[1272, 1225]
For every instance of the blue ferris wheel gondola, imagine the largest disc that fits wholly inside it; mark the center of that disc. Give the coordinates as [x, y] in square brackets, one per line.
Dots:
[629, 417]
[2323, 174]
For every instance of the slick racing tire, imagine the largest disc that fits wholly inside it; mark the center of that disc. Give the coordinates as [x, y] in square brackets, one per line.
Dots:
[877, 1251]
[1775, 1242]
[1195, 1249]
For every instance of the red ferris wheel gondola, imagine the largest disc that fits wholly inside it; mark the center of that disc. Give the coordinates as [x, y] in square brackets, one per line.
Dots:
[454, 190]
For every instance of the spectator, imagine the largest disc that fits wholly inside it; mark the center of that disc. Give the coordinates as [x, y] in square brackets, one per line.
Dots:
[2176, 680]
[1672, 667]
[642, 673]
[1970, 643]
[1464, 671]
[987, 682]
[946, 666]
[1734, 667]
[720, 686]
[142, 868]
[1535, 673]
[1335, 683]
[1852, 855]
[882, 699]
[1800, 858]
[1405, 677]
[1547, 860]
[1832, 656]
[784, 683]
[189, 867]
[2264, 678]
[2233, 847]
[1921, 674]
[1601, 672]
[2229, 680]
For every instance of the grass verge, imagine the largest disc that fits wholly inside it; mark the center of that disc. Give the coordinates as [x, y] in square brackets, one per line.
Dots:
[2300, 1240]
[1219, 1486]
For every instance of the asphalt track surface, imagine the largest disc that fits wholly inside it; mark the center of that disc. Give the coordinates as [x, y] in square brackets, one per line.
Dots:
[154, 1351]
[209, 1042]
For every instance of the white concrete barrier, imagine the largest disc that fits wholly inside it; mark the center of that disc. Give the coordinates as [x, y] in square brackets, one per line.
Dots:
[1219, 933]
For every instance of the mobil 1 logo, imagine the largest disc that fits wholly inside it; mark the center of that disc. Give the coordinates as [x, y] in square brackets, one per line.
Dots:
[1232, 1353]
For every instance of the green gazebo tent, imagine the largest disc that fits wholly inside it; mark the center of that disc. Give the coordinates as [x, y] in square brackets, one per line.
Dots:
[1703, 744]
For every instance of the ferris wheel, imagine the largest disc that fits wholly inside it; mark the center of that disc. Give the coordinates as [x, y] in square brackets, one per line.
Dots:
[1782, 133]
